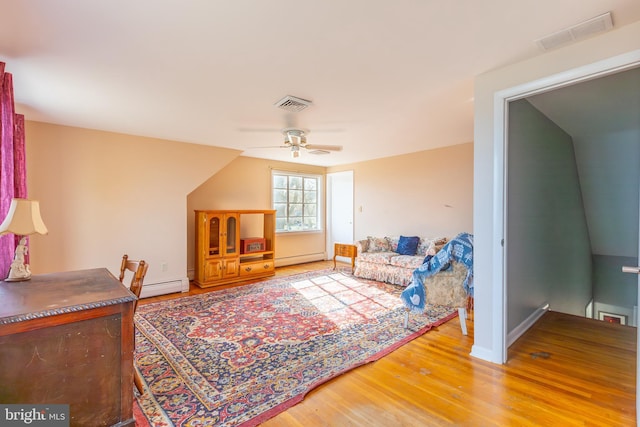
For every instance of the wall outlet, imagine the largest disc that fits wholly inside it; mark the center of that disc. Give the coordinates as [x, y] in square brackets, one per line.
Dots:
[164, 266]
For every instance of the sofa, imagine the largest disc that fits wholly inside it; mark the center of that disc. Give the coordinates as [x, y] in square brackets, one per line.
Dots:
[380, 259]
[392, 260]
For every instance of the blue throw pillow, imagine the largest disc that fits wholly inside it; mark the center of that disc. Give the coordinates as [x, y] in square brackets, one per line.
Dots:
[408, 245]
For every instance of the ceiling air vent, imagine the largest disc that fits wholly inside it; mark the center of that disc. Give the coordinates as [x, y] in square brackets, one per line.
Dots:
[292, 103]
[580, 31]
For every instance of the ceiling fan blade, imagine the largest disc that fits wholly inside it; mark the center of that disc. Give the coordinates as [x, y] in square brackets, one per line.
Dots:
[323, 147]
[269, 146]
[259, 130]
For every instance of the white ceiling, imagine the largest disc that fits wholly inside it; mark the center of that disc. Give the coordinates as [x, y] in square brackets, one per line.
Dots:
[385, 77]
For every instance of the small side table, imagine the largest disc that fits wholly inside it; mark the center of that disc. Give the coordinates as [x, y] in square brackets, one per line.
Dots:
[346, 250]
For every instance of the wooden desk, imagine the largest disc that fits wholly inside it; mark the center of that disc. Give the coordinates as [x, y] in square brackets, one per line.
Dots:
[67, 338]
[345, 250]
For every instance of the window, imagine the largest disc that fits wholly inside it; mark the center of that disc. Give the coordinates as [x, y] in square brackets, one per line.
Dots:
[296, 199]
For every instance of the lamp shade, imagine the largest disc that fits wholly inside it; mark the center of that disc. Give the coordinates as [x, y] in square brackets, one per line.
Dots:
[23, 218]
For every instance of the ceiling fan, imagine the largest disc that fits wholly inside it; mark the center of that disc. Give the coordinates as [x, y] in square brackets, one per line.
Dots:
[296, 139]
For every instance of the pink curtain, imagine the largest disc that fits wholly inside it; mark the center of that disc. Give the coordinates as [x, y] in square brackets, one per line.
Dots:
[13, 182]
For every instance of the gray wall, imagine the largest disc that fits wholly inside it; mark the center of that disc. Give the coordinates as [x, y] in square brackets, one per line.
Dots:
[613, 287]
[609, 169]
[603, 117]
[548, 250]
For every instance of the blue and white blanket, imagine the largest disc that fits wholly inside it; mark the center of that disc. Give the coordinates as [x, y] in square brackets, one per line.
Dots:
[458, 249]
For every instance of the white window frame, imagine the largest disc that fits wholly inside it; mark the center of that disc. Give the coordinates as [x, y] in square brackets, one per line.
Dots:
[319, 193]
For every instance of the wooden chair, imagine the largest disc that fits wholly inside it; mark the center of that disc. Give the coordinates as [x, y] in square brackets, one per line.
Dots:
[139, 270]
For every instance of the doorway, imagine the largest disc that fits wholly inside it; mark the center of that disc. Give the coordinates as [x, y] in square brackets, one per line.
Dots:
[502, 287]
[573, 186]
[339, 210]
[502, 99]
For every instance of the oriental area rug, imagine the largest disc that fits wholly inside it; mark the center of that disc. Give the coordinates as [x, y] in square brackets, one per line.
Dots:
[239, 356]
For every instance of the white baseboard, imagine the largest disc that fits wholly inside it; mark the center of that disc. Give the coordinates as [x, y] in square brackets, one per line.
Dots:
[483, 353]
[526, 324]
[301, 259]
[153, 289]
[588, 311]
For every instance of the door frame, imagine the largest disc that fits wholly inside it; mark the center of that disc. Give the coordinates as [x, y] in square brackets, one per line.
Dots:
[501, 110]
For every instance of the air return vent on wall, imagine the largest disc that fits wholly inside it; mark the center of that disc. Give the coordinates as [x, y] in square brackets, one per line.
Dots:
[292, 103]
[580, 31]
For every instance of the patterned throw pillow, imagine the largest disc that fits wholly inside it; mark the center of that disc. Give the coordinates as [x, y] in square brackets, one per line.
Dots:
[439, 244]
[377, 244]
[393, 242]
[435, 246]
[408, 245]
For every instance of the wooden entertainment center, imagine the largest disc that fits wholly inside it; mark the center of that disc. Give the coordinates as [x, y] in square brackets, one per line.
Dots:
[234, 245]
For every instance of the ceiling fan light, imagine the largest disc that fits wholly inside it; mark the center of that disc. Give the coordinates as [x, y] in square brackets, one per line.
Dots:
[295, 151]
[295, 136]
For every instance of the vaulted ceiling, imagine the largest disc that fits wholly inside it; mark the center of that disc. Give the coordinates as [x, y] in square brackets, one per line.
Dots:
[385, 78]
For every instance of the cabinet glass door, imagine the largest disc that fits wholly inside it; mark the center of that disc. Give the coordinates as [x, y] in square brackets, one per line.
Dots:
[231, 235]
[214, 235]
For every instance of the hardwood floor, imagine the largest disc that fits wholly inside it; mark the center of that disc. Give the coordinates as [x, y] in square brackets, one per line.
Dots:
[565, 371]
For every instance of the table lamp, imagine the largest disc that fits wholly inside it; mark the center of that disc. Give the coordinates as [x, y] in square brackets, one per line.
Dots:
[22, 219]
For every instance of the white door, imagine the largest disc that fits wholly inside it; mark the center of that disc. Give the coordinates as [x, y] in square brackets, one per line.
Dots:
[339, 210]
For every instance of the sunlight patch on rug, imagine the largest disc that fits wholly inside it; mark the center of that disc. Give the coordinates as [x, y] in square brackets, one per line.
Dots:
[239, 356]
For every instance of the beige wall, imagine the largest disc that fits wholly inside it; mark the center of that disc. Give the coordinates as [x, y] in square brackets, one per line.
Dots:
[246, 184]
[428, 193]
[98, 203]
[103, 194]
